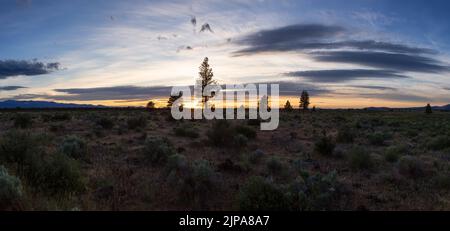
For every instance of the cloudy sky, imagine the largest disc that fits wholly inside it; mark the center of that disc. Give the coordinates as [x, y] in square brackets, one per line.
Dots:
[352, 53]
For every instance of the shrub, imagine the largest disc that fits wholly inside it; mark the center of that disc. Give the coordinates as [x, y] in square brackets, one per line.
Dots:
[410, 166]
[158, 149]
[16, 147]
[23, 150]
[254, 122]
[74, 147]
[393, 153]
[317, 192]
[324, 146]
[246, 131]
[442, 181]
[274, 165]
[10, 189]
[137, 122]
[360, 159]
[255, 156]
[186, 131]
[61, 175]
[376, 122]
[377, 138]
[345, 135]
[221, 133]
[23, 121]
[196, 182]
[105, 122]
[260, 195]
[240, 141]
[176, 163]
[439, 142]
[61, 117]
[204, 176]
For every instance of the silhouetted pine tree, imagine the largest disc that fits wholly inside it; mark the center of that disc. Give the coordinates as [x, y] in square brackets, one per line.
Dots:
[428, 109]
[206, 76]
[288, 106]
[264, 102]
[304, 100]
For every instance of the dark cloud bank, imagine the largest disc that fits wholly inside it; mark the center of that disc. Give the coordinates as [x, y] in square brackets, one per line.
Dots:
[135, 93]
[314, 36]
[11, 68]
[331, 43]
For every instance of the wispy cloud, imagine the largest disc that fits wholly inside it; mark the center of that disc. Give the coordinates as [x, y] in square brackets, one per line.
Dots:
[329, 76]
[374, 87]
[10, 88]
[393, 61]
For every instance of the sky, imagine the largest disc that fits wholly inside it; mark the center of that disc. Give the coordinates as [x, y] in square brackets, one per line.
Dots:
[346, 53]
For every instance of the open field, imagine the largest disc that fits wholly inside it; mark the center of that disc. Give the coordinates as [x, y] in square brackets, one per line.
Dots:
[143, 160]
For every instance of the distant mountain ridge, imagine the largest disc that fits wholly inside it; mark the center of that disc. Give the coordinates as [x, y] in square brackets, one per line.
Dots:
[9, 104]
[439, 108]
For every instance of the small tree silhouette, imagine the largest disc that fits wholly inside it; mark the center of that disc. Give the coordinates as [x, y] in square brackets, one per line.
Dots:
[428, 109]
[304, 100]
[206, 77]
[150, 105]
[173, 98]
[264, 102]
[288, 106]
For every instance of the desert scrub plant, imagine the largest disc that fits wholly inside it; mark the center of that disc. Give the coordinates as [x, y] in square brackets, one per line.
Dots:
[325, 146]
[138, 122]
[24, 151]
[442, 180]
[316, 192]
[61, 117]
[204, 177]
[157, 149]
[221, 133]
[196, 182]
[378, 138]
[258, 194]
[74, 147]
[186, 130]
[345, 135]
[10, 189]
[393, 153]
[240, 141]
[254, 122]
[411, 166]
[255, 156]
[16, 147]
[61, 176]
[176, 164]
[248, 132]
[439, 143]
[105, 122]
[360, 159]
[274, 165]
[23, 120]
